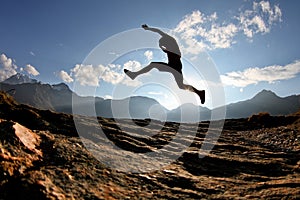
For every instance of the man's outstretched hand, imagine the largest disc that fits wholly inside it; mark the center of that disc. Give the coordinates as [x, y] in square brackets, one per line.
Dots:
[145, 26]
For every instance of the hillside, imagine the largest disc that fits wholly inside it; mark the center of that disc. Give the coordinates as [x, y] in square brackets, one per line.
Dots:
[59, 98]
[42, 157]
[264, 101]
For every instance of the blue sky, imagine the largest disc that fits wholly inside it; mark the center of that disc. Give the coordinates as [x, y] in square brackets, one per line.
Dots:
[253, 46]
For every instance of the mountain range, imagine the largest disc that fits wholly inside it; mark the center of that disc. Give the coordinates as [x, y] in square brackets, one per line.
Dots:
[58, 97]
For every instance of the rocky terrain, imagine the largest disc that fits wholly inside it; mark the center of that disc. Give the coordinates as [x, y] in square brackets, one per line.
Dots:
[43, 157]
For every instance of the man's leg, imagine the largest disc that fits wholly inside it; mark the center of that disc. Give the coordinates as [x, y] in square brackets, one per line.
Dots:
[158, 65]
[179, 80]
[164, 67]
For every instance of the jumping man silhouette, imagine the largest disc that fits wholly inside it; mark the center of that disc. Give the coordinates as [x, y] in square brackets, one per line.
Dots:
[174, 66]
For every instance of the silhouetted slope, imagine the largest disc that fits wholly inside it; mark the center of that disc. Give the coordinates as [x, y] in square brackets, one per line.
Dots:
[34, 118]
[264, 101]
[135, 107]
[42, 96]
[192, 112]
[59, 98]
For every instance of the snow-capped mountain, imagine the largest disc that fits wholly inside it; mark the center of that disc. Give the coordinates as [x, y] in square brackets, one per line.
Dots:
[19, 78]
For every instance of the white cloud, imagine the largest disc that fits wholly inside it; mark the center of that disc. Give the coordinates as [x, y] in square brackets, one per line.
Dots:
[91, 75]
[87, 74]
[31, 53]
[115, 67]
[7, 67]
[132, 65]
[31, 70]
[193, 46]
[251, 26]
[108, 96]
[221, 36]
[273, 14]
[255, 75]
[111, 76]
[162, 94]
[6, 62]
[199, 32]
[149, 55]
[259, 19]
[190, 20]
[65, 76]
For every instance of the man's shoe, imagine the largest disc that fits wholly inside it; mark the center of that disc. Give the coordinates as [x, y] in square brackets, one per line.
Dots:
[129, 73]
[201, 94]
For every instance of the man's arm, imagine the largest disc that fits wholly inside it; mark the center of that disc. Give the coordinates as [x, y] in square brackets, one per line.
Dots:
[156, 30]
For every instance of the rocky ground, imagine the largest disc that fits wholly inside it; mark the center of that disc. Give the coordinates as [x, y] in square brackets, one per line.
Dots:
[42, 157]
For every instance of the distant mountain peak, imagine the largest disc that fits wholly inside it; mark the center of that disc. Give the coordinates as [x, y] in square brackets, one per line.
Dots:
[265, 94]
[264, 91]
[19, 78]
[61, 87]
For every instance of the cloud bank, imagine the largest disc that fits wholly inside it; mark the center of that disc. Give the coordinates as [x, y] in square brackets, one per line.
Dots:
[7, 67]
[201, 32]
[91, 75]
[255, 75]
[65, 76]
[31, 70]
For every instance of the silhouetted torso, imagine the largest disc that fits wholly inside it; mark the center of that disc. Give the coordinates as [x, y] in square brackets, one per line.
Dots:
[169, 45]
[174, 61]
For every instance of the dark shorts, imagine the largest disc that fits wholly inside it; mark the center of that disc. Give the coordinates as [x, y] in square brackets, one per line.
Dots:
[168, 67]
[176, 65]
[174, 68]
[174, 61]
